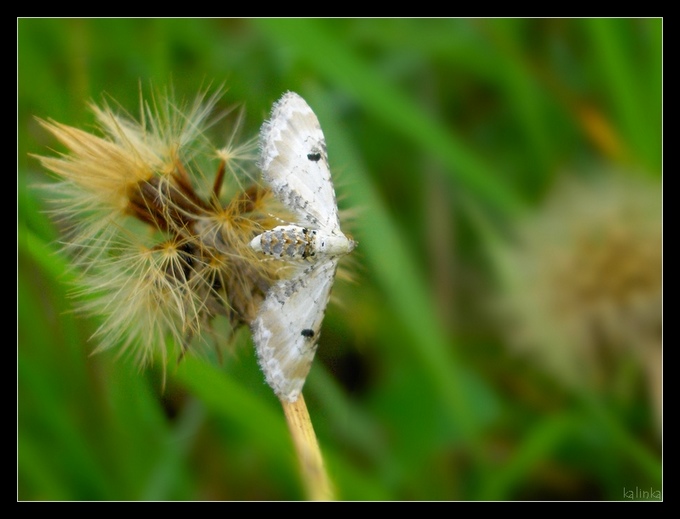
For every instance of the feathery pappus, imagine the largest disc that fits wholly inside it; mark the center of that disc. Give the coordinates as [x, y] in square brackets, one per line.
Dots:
[158, 222]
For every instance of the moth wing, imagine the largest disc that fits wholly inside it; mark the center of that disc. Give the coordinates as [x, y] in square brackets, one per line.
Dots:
[286, 329]
[294, 162]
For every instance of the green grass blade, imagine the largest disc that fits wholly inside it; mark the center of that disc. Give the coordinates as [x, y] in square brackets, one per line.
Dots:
[610, 39]
[330, 57]
[397, 271]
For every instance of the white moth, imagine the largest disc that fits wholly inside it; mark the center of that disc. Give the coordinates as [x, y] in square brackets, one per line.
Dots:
[295, 165]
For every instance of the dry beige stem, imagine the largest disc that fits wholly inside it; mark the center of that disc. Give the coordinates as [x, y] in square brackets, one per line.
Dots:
[317, 484]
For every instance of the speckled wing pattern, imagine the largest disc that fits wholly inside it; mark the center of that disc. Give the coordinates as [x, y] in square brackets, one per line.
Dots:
[294, 163]
[286, 330]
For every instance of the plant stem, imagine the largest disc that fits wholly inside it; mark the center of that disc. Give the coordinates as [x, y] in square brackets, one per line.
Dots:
[313, 473]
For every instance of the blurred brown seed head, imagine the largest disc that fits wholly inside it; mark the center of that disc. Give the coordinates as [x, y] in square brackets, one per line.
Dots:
[583, 283]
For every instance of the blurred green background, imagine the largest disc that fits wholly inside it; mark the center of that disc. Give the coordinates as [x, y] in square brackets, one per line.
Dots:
[468, 360]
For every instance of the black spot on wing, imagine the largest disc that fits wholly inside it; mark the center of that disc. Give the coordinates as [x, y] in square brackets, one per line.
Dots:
[307, 333]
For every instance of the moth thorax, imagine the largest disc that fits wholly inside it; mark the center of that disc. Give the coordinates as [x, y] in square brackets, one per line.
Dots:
[286, 241]
[332, 244]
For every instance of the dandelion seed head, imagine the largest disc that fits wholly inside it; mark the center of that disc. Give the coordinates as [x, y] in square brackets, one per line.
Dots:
[158, 223]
